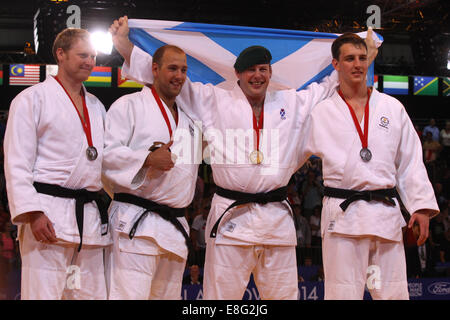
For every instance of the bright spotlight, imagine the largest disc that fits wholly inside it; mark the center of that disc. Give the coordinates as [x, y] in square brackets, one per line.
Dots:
[448, 60]
[102, 41]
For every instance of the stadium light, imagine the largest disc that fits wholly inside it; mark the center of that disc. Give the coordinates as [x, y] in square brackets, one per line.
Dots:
[448, 60]
[102, 41]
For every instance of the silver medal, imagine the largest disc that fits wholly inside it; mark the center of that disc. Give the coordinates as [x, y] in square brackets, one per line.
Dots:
[365, 154]
[91, 153]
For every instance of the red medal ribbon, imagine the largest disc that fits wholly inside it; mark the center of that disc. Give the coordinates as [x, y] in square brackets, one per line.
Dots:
[86, 124]
[362, 136]
[257, 126]
[163, 111]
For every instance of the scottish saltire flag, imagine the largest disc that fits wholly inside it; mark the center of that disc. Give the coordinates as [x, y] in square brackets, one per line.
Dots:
[23, 74]
[298, 57]
[395, 84]
[100, 77]
[425, 86]
[446, 87]
[123, 82]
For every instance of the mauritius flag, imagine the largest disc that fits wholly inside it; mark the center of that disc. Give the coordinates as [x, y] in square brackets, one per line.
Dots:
[395, 84]
[298, 57]
[100, 77]
[425, 86]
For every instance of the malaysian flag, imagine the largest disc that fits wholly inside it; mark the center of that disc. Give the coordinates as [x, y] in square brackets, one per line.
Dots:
[23, 74]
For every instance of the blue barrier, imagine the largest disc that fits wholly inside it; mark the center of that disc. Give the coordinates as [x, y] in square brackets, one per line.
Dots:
[419, 289]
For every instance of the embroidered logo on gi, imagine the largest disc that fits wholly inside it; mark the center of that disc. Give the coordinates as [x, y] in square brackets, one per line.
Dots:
[384, 122]
[191, 129]
[331, 225]
[282, 114]
[121, 225]
[230, 226]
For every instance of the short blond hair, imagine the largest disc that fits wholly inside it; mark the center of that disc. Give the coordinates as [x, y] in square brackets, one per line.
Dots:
[66, 38]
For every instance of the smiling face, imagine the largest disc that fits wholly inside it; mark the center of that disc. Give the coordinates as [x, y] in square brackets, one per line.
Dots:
[78, 61]
[170, 73]
[255, 80]
[352, 64]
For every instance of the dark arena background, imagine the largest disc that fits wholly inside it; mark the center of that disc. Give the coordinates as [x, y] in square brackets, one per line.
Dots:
[416, 45]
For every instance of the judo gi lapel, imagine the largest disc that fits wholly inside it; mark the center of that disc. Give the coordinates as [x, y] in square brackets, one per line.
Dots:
[150, 99]
[353, 145]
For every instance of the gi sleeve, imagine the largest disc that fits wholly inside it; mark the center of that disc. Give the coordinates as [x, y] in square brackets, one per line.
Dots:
[310, 138]
[316, 92]
[20, 147]
[196, 99]
[122, 165]
[413, 185]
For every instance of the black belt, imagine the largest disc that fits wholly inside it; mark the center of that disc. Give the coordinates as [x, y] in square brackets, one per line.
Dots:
[166, 212]
[81, 196]
[241, 198]
[384, 195]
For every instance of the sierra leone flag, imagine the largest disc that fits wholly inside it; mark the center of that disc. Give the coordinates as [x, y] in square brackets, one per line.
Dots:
[298, 57]
[395, 84]
[425, 86]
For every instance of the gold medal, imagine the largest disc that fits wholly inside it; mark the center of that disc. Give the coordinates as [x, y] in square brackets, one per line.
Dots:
[256, 157]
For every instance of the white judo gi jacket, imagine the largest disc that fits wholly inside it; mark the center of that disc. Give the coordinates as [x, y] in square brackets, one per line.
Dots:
[45, 142]
[227, 121]
[396, 161]
[133, 123]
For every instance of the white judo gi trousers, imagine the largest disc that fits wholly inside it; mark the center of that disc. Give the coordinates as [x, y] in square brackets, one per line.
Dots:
[135, 276]
[48, 272]
[351, 262]
[228, 268]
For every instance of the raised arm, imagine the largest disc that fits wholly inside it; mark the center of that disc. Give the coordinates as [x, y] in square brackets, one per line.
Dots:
[316, 92]
[119, 31]
[196, 98]
[372, 49]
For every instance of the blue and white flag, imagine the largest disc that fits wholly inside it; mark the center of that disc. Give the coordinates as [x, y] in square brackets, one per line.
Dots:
[298, 57]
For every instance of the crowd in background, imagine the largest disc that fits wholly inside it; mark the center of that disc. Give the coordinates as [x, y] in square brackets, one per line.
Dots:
[305, 193]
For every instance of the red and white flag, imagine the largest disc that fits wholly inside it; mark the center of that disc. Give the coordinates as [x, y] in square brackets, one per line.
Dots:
[23, 74]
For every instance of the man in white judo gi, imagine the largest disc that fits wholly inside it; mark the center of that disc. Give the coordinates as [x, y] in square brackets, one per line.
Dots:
[150, 166]
[369, 150]
[253, 136]
[53, 157]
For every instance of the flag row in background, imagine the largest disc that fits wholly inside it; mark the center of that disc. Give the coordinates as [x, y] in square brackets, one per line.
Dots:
[415, 85]
[100, 77]
[26, 75]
